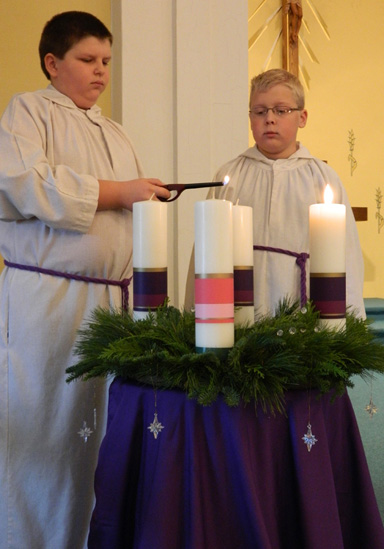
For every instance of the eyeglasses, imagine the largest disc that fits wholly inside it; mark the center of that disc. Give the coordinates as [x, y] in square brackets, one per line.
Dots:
[259, 112]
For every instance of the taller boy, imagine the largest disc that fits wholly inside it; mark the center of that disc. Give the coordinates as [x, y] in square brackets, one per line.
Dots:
[68, 178]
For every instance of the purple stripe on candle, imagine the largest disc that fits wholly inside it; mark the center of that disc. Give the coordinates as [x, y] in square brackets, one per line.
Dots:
[328, 288]
[149, 288]
[328, 293]
[243, 286]
[331, 309]
[150, 281]
[151, 301]
[244, 299]
[243, 278]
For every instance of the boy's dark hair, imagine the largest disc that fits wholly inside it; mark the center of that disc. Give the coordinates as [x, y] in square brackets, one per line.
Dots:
[64, 30]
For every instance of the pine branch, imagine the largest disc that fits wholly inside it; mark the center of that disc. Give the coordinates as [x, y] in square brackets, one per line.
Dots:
[278, 353]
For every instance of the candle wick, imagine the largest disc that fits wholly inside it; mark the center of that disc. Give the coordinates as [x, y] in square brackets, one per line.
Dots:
[154, 194]
[237, 202]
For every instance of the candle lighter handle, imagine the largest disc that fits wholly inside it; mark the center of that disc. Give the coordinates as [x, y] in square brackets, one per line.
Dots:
[178, 187]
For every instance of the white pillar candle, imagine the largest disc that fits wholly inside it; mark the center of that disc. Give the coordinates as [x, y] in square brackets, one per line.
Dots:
[243, 264]
[327, 232]
[149, 256]
[214, 309]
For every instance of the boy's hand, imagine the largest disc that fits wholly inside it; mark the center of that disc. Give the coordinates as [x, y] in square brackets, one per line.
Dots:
[114, 195]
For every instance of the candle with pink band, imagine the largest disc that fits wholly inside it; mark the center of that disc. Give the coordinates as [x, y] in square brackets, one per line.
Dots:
[214, 290]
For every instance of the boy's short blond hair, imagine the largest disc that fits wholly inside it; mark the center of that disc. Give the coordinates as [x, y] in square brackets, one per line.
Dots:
[266, 80]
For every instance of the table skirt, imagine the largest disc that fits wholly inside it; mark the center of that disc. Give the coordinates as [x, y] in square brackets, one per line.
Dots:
[220, 477]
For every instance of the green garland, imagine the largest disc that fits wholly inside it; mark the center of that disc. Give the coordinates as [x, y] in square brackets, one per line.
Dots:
[287, 351]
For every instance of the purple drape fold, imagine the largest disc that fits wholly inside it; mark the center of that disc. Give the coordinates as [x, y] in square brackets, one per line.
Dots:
[220, 477]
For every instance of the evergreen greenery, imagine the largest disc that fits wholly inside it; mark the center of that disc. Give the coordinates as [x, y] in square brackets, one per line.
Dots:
[278, 353]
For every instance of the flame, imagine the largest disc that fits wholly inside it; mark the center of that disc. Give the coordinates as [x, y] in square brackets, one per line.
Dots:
[328, 195]
[226, 180]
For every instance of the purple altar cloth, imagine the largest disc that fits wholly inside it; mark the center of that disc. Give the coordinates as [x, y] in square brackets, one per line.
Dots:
[219, 477]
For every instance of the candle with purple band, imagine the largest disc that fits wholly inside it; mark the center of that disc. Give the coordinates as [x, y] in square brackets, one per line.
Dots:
[149, 256]
[327, 260]
[214, 307]
[243, 264]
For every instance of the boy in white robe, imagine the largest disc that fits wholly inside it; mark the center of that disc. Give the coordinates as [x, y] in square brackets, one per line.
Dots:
[280, 179]
[68, 179]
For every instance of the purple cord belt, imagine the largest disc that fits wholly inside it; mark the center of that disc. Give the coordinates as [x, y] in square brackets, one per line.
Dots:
[301, 259]
[107, 282]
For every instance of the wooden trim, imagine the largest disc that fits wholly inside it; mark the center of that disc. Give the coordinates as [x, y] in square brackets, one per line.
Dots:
[361, 214]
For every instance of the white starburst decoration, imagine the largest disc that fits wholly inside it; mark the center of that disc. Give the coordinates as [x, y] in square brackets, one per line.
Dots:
[85, 432]
[371, 408]
[155, 427]
[309, 438]
[267, 13]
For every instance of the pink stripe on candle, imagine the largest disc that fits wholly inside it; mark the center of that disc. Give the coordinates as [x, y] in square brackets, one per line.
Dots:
[218, 310]
[214, 290]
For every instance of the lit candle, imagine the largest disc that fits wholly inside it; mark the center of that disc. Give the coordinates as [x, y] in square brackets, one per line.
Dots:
[327, 240]
[149, 256]
[243, 264]
[214, 308]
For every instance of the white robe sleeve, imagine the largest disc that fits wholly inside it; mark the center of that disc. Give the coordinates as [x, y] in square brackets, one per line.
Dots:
[30, 187]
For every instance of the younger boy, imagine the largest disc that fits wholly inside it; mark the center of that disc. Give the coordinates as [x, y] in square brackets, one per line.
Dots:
[280, 179]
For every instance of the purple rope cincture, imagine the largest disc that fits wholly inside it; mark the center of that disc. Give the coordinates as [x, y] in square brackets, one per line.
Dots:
[300, 260]
[107, 282]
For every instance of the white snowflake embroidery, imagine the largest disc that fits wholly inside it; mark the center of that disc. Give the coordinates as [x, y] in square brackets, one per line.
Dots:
[155, 427]
[309, 438]
[85, 432]
[371, 408]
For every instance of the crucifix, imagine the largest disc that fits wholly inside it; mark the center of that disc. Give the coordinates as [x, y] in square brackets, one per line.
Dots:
[292, 15]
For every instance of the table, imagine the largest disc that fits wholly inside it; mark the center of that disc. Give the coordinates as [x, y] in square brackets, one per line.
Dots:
[219, 477]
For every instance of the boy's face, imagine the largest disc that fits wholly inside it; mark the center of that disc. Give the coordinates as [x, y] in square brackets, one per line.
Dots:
[275, 135]
[83, 73]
